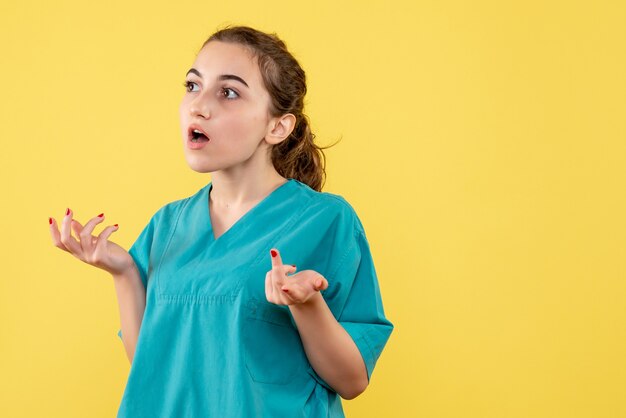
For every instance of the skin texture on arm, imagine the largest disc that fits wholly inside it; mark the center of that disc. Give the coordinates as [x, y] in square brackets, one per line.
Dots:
[330, 349]
[131, 298]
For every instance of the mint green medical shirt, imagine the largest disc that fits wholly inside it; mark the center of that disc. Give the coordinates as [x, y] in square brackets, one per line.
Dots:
[210, 344]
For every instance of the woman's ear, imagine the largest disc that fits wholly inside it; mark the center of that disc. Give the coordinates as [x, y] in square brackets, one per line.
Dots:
[280, 128]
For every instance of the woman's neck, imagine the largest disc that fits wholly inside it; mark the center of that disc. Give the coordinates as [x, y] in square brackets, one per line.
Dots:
[233, 192]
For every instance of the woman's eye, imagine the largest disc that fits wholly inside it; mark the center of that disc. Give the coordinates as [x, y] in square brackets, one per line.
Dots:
[233, 94]
[187, 84]
[226, 89]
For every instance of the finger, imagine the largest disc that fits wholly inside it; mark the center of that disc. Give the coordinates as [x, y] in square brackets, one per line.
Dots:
[289, 268]
[288, 295]
[100, 242]
[86, 233]
[77, 228]
[66, 237]
[276, 259]
[106, 233]
[289, 290]
[56, 235]
[274, 285]
[268, 287]
[321, 284]
[277, 277]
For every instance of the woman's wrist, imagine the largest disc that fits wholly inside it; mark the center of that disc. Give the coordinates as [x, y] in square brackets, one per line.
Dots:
[128, 274]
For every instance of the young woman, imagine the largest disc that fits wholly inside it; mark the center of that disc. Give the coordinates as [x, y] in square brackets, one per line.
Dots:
[257, 296]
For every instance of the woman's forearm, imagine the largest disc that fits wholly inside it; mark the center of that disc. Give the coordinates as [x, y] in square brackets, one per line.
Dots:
[329, 348]
[131, 297]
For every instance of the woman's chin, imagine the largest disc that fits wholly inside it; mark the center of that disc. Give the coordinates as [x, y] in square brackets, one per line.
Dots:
[199, 166]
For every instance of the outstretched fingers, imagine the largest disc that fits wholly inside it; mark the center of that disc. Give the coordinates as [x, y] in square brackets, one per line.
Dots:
[87, 244]
[282, 285]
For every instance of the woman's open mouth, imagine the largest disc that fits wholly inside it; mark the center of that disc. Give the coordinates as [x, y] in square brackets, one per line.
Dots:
[197, 136]
[196, 139]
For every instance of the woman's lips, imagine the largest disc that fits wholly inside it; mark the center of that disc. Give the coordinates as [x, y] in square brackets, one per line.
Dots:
[193, 128]
[198, 144]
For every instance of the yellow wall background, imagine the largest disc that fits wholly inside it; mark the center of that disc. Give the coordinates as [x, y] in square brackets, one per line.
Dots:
[484, 148]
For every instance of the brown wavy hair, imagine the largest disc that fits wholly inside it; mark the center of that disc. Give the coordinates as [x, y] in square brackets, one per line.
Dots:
[298, 156]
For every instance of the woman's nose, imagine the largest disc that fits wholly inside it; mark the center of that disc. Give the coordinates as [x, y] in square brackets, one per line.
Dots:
[200, 106]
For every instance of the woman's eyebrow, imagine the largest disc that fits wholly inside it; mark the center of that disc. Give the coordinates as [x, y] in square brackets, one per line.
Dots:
[221, 77]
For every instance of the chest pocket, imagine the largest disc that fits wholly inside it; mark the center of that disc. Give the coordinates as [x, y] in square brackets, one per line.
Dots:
[273, 351]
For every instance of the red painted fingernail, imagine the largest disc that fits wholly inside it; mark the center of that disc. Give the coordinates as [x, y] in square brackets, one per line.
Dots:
[115, 225]
[293, 265]
[68, 212]
[285, 290]
[50, 219]
[101, 215]
[273, 253]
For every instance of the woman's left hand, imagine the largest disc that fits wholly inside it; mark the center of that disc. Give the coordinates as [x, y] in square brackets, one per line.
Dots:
[282, 289]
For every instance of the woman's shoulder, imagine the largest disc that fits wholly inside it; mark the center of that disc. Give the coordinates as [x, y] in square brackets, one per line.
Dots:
[332, 206]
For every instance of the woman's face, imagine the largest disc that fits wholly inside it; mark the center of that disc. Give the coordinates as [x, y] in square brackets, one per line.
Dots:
[233, 115]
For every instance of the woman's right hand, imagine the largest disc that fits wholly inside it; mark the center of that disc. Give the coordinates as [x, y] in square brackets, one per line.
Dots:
[96, 251]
